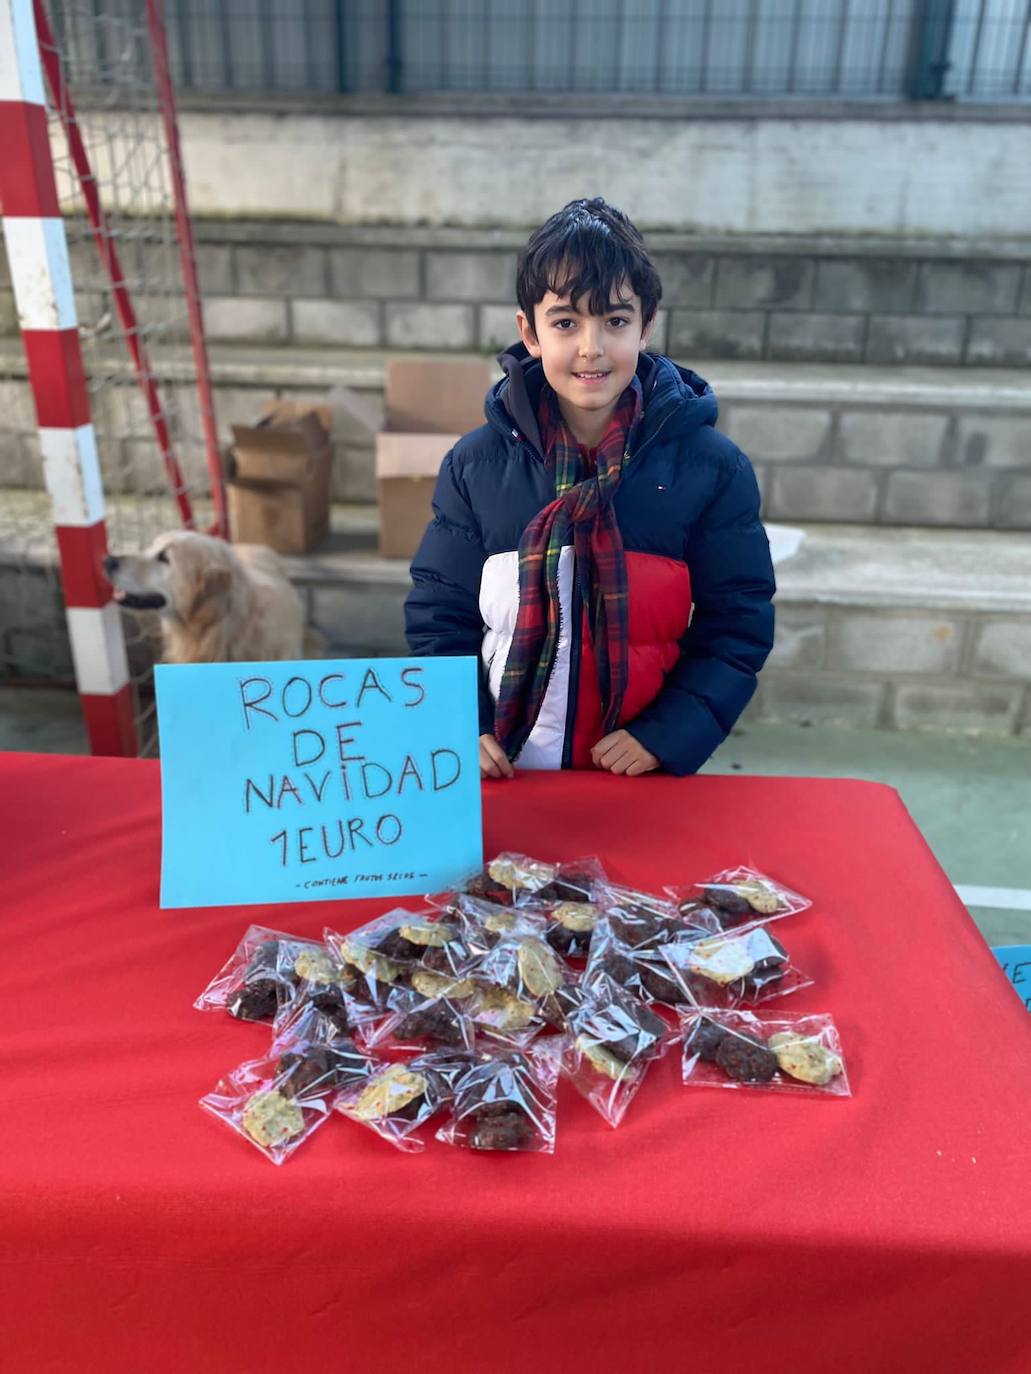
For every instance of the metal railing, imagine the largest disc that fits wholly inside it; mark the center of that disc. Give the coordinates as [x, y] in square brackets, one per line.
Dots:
[848, 49]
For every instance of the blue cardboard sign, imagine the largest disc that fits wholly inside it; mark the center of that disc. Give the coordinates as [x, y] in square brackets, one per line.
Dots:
[298, 782]
[1016, 964]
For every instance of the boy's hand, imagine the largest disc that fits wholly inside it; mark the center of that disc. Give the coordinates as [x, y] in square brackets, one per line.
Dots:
[493, 759]
[621, 753]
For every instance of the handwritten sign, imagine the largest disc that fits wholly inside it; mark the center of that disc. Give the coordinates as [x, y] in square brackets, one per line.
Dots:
[296, 782]
[1016, 964]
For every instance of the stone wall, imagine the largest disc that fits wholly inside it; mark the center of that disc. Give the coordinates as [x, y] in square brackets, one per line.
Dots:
[882, 302]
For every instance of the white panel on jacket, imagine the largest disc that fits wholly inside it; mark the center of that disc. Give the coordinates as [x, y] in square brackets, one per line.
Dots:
[499, 608]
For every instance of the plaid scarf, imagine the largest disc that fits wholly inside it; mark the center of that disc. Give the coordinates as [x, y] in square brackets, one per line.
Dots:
[586, 484]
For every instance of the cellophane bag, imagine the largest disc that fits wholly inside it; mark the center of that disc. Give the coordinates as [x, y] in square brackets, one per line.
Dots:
[613, 1039]
[387, 953]
[506, 1103]
[483, 923]
[746, 966]
[278, 1101]
[740, 896]
[746, 1049]
[256, 982]
[398, 1099]
[631, 953]
[417, 1022]
[513, 878]
[523, 987]
[322, 983]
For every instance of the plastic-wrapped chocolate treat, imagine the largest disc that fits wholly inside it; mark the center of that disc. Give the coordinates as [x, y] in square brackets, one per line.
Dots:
[706, 1038]
[745, 1058]
[483, 885]
[728, 900]
[262, 990]
[332, 1004]
[700, 919]
[257, 999]
[320, 1068]
[570, 926]
[771, 958]
[613, 1030]
[560, 1005]
[493, 1102]
[399, 1091]
[500, 1126]
[435, 1022]
[658, 983]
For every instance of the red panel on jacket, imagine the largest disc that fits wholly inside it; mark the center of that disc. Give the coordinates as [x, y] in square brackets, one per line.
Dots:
[658, 614]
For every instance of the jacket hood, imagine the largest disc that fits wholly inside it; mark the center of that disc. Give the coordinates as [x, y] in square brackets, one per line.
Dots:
[675, 398]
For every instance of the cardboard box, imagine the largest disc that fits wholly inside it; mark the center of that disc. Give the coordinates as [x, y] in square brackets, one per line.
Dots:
[279, 472]
[429, 403]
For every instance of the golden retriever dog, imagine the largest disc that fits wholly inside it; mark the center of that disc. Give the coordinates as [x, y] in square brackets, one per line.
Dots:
[218, 602]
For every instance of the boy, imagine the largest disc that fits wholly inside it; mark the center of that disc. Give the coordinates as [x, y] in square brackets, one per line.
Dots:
[597, 543]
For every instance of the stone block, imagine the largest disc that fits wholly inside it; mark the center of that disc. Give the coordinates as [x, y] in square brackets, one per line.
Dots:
[20, 463]
[1003, 649]
[8, 313]
[415, 324]
[687, 278]
[658, 340]
[885, 438]
[817, 338]
[361, 619]
[999, 340]
[1025, 293]
[745, 283]
[716, 334]
[151, 263]
[801, 637]
[477, 277]
[215, 269]
[968, 288]
[894, 642]
[912, 339]
[379, 272]
[96, 317]
[239, 405]
[498, 327]
[960, 499]
[35, 638]
[1013, 504]
[355, 324]
[858, 285]
[17, 408]
[266, 269]
[353, 475]
[771, 433]
[246, 320]
[995, 441]
[822, 493]
[135, 465]
[972, 707]
[819, 699]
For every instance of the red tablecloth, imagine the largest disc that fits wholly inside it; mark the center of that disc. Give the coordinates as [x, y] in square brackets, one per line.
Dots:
[730, 1230]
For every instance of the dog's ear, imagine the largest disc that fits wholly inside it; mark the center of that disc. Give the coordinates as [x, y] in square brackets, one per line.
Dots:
[211, 588]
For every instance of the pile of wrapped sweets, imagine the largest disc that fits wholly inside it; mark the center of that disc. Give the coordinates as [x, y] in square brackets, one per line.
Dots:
[460, 1018]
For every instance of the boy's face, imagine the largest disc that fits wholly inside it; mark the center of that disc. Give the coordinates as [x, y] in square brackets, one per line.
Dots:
[588, 359]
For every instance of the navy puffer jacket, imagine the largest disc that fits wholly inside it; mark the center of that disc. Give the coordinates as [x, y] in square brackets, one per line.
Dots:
[699, 575]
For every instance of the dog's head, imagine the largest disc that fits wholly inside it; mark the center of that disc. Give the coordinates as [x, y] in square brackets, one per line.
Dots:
[182, 574]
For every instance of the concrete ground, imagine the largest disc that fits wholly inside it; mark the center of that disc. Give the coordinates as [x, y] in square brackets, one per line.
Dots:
[970, 796]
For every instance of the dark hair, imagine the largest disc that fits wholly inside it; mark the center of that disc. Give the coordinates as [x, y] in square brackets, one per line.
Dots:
[588, 248]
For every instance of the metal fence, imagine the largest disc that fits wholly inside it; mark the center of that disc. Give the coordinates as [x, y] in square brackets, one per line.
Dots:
[849, 49]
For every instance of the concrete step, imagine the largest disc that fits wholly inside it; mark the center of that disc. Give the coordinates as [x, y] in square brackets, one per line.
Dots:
[907, 446]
